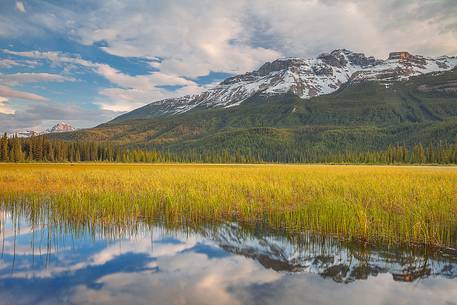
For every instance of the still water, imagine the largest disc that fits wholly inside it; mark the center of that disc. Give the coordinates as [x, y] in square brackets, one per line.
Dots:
[225, 264]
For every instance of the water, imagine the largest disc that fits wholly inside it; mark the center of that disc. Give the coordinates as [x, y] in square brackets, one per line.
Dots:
[224, 264]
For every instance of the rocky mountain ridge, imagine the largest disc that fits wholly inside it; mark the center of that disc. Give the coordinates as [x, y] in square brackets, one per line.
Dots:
[305, 78]
[59, 127]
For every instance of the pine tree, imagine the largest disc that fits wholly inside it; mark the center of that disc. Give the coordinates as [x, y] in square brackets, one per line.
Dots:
[17, 154]
[4, 154]
[454, 150]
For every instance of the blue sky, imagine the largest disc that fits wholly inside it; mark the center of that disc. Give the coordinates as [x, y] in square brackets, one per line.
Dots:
[85, 62]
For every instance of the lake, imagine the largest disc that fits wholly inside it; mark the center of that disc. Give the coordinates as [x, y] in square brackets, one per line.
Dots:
[211, 264]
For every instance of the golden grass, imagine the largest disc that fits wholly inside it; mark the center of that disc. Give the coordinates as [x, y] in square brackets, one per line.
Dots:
[372, 203]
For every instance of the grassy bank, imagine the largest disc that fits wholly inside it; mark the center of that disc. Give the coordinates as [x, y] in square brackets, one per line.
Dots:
[377, 203]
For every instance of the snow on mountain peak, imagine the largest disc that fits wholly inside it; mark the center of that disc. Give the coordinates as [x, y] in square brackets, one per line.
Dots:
[60, 127]
[307, 78]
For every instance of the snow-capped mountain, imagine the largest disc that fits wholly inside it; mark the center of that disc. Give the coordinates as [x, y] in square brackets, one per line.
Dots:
[25, 134]
[330, 258]
[60, 127]
[305, 78]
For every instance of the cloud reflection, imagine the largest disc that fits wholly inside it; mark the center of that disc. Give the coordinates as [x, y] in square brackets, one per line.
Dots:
[159, 267]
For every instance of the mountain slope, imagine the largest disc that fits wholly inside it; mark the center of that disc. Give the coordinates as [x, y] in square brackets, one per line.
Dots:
[60, 127]
[359, 116]
[305, 78]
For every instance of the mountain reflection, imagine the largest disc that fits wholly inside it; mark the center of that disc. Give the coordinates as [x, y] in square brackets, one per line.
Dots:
[326, 256]
[331, 258]
[60, 265]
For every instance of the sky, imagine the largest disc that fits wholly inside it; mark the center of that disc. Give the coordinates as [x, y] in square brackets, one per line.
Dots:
[86, 62]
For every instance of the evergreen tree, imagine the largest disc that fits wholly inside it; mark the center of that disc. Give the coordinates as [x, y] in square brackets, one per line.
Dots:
[4, 151]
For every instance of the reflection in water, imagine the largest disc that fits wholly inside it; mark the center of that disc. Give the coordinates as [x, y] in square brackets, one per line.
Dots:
[331, 258]
[227, 264]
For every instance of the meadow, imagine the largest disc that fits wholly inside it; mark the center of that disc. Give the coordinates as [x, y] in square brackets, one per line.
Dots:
[388, 204]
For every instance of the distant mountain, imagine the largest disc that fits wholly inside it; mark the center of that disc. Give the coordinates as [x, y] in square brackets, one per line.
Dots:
[341, 101]
[60, 127]
[25, 134]
[304, 78]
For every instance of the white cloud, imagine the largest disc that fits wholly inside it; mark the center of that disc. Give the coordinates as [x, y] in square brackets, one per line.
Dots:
[135, 91]
[8, 80]
[132, 91]
[24, 78]
[54, 57]
[192, 38]
[20, 6]
[122, 100]
[141, 81]
[195, 37]
[7, 63]
[4, 106]
[9, 92]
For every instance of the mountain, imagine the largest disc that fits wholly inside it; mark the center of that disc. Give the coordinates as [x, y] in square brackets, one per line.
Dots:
[60, 127]
[25, 134]
[337, 102]
[304, 78]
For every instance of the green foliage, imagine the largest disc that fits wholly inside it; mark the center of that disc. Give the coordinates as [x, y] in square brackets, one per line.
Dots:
[271, 147]
[360, 117]
[4, 150]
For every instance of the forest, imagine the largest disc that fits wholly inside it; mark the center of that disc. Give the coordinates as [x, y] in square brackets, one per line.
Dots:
[42, 149]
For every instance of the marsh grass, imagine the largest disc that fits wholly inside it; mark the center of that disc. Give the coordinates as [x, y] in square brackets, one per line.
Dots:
[396, 205]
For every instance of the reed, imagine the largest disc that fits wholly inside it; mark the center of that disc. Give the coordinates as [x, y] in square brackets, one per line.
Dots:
[397, 205]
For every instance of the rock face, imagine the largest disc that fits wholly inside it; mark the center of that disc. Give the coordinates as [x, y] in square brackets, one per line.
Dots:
[305, 78]
[60, 127]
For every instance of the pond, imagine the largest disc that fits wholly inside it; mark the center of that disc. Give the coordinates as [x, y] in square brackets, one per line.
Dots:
[224, 264]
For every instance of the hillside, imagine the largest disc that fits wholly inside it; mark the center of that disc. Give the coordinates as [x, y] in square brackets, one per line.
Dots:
[361, 116]
[305, 78]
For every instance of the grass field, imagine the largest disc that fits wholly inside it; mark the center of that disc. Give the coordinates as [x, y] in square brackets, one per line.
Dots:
[371, 203]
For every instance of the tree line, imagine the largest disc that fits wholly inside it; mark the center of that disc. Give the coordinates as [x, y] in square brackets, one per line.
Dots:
[42, 149]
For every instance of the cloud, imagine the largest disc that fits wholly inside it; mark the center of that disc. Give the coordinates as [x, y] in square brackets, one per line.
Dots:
[7, 63]
[24, 78]
[140, 81]
[195, 37]
[132, 91]
[307, 28]
[192, 38]
[4, 106]
[8, 80]
[20, 6]
[54, 57]
[122, 100]
[39, 116]
[9, 92]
